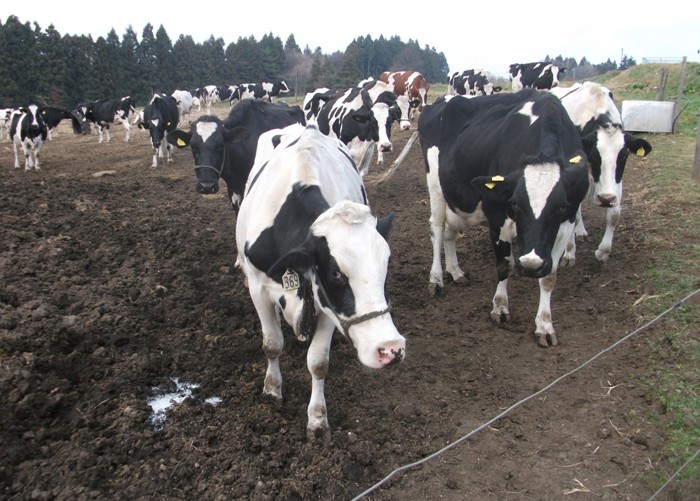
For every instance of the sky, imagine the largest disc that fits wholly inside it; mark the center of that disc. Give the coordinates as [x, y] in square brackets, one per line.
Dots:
[507, 32]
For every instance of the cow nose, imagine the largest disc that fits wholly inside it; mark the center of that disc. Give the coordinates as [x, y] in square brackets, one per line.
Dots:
[607, 200]
[386, 147]
[207, 188]
[530, 263]
[405, 125]
[391, 353]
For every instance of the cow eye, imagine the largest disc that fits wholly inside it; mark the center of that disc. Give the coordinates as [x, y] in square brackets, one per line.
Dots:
[337, 276]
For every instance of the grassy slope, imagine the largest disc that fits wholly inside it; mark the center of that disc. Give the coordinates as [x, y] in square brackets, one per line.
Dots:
[673, 231]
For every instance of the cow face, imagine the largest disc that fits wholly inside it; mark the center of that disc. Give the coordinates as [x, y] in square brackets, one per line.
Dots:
[542, 200]
[346, 257]
[608, 147]
[209, 139]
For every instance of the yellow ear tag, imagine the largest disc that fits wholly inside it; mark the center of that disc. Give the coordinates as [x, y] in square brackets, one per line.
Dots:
[575, 159]
[640, 152]
[490, 186]
[168, 124]
[498, 178]
[180, 142]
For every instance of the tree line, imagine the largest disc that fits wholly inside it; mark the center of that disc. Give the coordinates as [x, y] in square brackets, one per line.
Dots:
[44, 67]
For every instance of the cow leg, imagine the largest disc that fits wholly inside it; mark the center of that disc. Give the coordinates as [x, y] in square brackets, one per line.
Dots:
[504, 264]
[569, 258]
[36, 150]
[273, 341]
[544, 330]
[169, 151]
[156, 154]
[99, 130]
[14, 145]
[127, 126]
[451, 263]
[317, 359]
[438, 208]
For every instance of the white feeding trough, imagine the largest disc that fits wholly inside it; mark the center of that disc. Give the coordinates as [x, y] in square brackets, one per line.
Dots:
[648, 116]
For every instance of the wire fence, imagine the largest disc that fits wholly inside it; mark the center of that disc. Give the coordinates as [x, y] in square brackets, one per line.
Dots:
[406, 467]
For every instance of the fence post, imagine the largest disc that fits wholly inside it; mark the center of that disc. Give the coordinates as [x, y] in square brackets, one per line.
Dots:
[661, 89]
[696, 163]
[681, 88]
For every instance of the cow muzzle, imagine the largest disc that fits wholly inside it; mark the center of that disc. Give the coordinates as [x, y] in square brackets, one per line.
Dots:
[207, 179]
[533, 266]
[606, 200]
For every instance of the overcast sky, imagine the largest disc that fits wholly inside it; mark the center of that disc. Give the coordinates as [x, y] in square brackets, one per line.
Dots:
[490, 36]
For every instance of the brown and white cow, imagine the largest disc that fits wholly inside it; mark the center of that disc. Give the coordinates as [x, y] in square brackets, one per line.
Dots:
[411, 91]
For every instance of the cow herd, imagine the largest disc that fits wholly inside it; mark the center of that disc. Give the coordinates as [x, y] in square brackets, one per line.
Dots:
[312, 252]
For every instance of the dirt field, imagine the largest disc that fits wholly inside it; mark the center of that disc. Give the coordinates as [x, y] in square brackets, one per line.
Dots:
[112, 286]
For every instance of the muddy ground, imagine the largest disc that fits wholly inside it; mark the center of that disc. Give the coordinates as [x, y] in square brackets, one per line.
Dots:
[112, 286]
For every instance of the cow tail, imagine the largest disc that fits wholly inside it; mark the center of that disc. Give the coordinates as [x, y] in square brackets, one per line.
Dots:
[394, 167]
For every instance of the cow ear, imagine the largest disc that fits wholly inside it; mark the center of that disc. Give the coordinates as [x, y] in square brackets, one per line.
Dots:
[299, 259]
[637, 145]
[384, 225]
[236, 135]
[494, 187]
[179, 138]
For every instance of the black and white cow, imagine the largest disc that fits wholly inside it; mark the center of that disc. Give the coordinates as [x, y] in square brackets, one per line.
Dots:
[472, 82]
[593, 111]
[5, 122]
[53, 116]
[28, 131]
[105, 112]
[265, 90]
[226, 148]
[160, 116]
[515, 161]
[314, 254]
[185, 101]
[349, 116]
[208, 95]
[230, 93]
[540, 76]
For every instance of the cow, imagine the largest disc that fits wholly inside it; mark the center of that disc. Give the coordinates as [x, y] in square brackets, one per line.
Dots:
[185, 101]
[226, 148]
[263, 90]
[230, 93]
[313, 253]
[5, 122]
[53, 116]
[473, 82]
[541, 76]
[104, 112]
[412, 91]
[607, 145]
[208, 95]
[160, 116]
[28, 131]
[349, 116]
[516, 162]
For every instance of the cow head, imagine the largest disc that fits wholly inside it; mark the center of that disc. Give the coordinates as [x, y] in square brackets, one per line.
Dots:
[607, 146]
[209, 140]
[539, 198]
[349, 286]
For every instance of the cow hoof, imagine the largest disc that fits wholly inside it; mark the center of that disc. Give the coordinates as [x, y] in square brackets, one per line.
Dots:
[500, 318]
[602, 255]
[568, 261]
[434, 289]
[319, 435]
[463, 280]
[546, 340]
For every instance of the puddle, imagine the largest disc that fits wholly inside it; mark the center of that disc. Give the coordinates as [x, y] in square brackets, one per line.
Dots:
[161, 402]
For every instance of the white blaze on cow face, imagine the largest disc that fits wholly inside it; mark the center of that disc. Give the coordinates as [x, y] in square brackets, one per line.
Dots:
[540, 180]
[206, 129]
